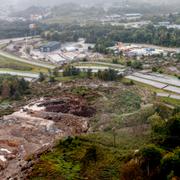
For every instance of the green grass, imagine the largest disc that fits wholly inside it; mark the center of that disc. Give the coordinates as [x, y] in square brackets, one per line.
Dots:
[171, 101]
[92, 156]
[124, 101]
[11, 64]
[5, 107]
[62, 78]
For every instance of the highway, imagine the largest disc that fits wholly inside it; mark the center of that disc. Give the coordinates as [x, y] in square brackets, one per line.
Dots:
[23, 74]
[5, 41]
[103, 63]
[160, 81]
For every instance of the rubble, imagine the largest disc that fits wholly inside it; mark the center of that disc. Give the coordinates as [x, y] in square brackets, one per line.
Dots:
[36, 127]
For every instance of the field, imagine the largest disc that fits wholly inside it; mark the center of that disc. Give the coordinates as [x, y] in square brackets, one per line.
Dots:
[11, 64]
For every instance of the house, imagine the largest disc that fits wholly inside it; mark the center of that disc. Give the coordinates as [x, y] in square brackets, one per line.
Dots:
[51, 46]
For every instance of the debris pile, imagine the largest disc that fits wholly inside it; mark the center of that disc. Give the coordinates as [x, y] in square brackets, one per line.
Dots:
[36, 127]
[75, 106]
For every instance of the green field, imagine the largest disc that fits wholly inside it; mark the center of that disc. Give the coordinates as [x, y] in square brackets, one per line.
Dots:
[11, 64]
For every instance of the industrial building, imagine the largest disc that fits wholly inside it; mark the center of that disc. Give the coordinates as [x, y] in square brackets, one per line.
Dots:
[51, 46]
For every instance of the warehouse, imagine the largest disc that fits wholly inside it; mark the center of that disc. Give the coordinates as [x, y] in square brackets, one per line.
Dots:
[51, 46]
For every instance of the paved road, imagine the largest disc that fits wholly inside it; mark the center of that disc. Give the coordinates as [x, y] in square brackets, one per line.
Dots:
[103, 63]
[5, 41]
[23, 74]
[40, 64]
[173, 96]
[2, 53]
[160, 78]
[159, 81]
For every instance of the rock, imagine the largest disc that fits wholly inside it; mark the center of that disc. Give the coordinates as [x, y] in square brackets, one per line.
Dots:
[3, 162]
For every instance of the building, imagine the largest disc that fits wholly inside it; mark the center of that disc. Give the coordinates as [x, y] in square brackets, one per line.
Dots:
[133, 16]
[70, 49]
[56, 58]
[51, 46]
[164, 23]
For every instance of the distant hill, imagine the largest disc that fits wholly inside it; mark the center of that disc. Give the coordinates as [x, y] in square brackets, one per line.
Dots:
[22, 4]
[31, 10]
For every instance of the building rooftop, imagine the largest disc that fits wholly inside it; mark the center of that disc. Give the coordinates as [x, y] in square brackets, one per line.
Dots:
[50, 44]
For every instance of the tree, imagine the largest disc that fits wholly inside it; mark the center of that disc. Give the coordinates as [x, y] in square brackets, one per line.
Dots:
[5, 89]
[150, 157]
[41, 77]
[129, 63]
[154, 69]
[17, 95]
[89, 73]
[51, 79]
[166, 132]
[108, 75]
[55, 72]
[157, 124]
[115, 61]
[137, 65]
[173, 132]
[170, 165]
[23, 85]
[12, 87]
[71, 71]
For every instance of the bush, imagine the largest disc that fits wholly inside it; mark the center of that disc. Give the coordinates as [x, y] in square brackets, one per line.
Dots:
[71, 71]
[12, 87]
[137, 65]
[170, 165]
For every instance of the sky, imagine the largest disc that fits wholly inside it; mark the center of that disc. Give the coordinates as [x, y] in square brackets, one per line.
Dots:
[26, 3]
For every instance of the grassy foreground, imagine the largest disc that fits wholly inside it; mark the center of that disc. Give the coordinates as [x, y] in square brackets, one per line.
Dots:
[86, 157]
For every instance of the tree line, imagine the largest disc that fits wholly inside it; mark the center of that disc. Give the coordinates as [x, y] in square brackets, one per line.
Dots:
[12, 87]
[105, 75]
[106, 35]
[161, 158]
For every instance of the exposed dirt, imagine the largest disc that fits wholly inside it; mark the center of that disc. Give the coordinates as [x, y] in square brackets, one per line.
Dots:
[36, 127]
[69, 104]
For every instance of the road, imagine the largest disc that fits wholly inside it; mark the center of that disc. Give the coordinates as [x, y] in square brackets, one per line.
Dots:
[103, 63]
[173, 96]
[40, 64]
[160, 81]
[2, 53]
[158, 47]
[5, 41]
[23, 74]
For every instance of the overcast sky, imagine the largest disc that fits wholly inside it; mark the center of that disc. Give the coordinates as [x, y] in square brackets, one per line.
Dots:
[25, 3]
